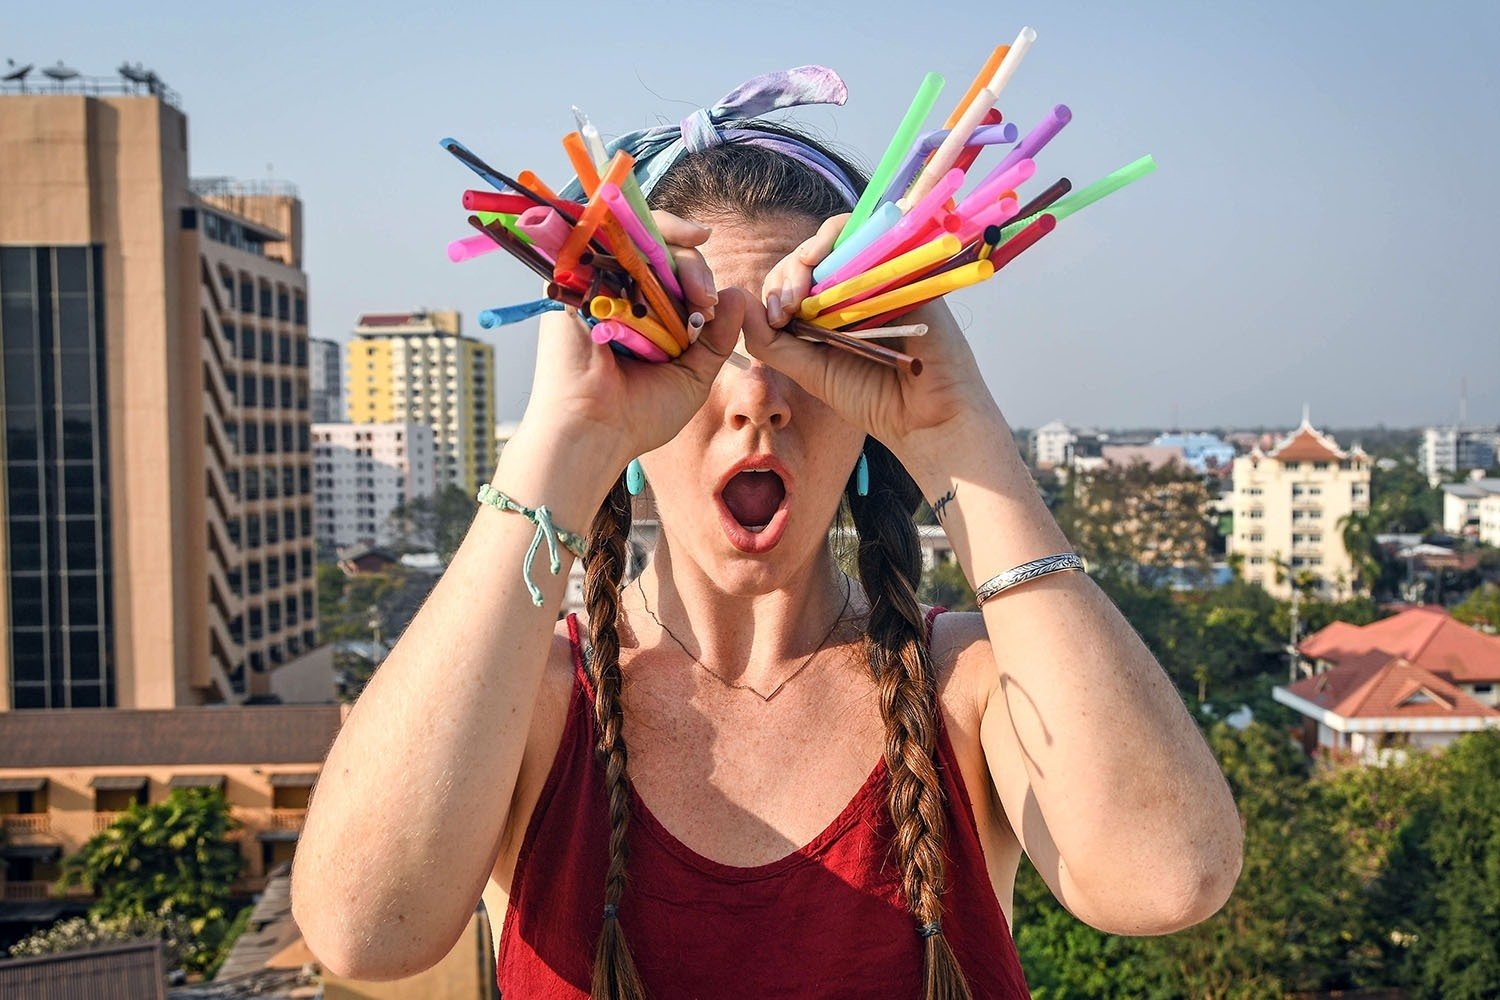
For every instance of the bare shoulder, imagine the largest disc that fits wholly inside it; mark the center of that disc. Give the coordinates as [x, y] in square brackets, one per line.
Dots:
[966, 673]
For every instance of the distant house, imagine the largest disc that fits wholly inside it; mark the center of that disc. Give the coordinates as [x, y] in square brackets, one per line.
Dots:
[1417, 679]
[1472, 508]
[366, 559]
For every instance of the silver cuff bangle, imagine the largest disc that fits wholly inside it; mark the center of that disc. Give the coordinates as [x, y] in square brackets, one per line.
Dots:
[1027, 572]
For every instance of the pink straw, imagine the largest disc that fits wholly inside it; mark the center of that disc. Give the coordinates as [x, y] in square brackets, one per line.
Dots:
[545, 228]
[998, 214]
[911, 223]
[470, 247]
[998, 180]
[613, 330]
[649, 248]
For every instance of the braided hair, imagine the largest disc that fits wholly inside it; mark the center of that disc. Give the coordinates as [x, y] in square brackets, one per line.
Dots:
[751, 183]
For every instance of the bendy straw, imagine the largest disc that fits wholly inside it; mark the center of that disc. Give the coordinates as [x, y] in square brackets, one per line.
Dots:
[895, 152]
[1082, 199]
[946, 154]
[984, 135]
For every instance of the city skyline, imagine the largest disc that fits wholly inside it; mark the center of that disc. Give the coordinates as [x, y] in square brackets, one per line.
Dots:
[1273, 259]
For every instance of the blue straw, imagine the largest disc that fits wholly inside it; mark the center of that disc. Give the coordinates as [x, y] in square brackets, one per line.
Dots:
[505, 315]
[880, 220]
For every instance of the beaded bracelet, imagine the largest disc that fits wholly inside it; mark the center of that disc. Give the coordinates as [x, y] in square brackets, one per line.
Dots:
[545, 531]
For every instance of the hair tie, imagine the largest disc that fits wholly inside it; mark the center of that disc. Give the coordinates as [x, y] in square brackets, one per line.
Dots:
[611, 911]
[930, 930]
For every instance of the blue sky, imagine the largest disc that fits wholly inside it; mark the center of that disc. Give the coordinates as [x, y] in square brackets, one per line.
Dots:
[1321, 227]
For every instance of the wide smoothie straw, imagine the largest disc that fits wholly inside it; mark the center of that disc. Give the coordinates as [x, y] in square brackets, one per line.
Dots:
[877, 225]
[1082, 199]
[890, 161]
[471, 246]
[1042, 133]
[910, 224]
[607, 307]
[631, 223]
[614, 330]
[546, 229]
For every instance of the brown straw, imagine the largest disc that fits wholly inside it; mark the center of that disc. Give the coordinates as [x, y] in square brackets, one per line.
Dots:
[869, 350]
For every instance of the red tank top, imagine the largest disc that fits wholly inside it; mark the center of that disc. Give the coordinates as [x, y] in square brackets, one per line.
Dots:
[827, 920]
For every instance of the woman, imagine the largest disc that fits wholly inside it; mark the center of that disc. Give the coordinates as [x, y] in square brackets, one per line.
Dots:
[683, 804]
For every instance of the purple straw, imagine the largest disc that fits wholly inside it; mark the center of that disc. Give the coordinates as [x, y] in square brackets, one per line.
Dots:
[1038, 137]
[984, 135]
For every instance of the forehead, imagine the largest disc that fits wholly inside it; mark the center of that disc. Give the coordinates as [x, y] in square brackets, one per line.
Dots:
[741, 251]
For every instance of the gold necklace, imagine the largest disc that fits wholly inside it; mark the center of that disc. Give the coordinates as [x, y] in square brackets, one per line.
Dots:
[736, 685]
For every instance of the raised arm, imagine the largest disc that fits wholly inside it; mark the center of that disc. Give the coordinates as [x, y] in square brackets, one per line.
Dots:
[1103, 774]
[407, 817]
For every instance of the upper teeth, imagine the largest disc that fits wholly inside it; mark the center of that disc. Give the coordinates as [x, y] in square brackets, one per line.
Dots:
[755, 470]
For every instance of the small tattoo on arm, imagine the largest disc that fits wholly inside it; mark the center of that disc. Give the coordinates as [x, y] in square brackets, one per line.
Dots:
[940, 506]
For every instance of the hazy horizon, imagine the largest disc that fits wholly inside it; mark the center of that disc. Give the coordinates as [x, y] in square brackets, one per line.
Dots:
[1319, 230]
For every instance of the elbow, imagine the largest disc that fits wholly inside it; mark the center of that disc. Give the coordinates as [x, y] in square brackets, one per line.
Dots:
[1201, 889]
[346, 944]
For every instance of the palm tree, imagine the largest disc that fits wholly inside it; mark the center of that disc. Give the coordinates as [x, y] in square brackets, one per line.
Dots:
[1358, 533]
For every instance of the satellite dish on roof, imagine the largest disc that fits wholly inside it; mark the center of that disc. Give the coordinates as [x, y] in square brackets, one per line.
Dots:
[136, 73]
[12, 74]
[60, 72]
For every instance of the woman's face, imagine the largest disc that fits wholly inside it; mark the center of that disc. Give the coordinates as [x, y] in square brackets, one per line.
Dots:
[748, 488]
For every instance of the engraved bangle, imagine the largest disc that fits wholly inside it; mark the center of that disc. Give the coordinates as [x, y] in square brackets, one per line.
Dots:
[1026, 572]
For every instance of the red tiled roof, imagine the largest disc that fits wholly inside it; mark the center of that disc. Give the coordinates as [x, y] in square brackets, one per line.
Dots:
[1307, 445]
[1426, 635]
[1380, 685]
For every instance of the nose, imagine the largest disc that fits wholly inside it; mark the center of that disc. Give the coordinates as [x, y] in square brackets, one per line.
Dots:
[756, 396]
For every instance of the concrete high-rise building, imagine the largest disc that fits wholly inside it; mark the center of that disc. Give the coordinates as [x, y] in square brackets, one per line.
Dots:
[419, 368]
[1446, 450]
[1288, 505]
[155, 482]
[325, 381]
[362, 472]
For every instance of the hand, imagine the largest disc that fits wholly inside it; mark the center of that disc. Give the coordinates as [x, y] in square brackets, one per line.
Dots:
[896, 408]
[626, 406]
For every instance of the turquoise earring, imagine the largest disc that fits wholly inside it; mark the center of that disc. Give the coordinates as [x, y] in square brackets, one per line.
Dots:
[635, 477]
[862, 476]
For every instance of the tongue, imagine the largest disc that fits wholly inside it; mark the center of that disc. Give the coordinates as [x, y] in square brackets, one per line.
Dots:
[752, 497]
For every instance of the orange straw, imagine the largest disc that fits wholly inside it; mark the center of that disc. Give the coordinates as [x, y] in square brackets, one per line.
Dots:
[979, 81]
[583, 164]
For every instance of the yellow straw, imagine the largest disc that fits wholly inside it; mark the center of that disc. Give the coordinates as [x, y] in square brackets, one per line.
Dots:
[607, 307]
[917, 291]
[897, 267]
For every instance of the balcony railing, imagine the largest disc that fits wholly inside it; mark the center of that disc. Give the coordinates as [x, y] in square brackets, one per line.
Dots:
[26, 823]
[104, 820]
[288, 819]
[28, 890]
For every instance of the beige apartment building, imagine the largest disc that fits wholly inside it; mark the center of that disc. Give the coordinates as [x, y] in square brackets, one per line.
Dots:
[155, 480]
[1287, 506]
[419, 368]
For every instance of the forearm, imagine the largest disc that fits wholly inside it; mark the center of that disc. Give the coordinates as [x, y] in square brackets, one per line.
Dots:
[415, 792]
[1128, 789]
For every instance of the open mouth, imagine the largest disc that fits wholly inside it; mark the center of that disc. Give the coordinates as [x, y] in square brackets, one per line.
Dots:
[753, 504]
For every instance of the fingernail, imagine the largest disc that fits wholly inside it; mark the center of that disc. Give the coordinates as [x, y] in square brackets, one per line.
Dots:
[773, 308]
[788, 296]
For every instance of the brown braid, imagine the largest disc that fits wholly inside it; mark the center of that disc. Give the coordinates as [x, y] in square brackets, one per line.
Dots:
[890, 562]
[615, 976]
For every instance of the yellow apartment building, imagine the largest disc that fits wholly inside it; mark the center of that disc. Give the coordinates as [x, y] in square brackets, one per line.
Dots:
[419, 368]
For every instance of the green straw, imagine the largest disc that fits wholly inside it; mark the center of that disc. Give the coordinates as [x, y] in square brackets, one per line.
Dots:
[1083, 199]
[508, 221]
[895, 153]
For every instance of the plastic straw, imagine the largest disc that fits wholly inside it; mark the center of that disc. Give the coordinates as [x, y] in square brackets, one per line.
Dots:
[984, 135]
[947, 153]
[506, 315]
[1011, 62]
[981, 78]
[1082, 199]
[911, 223]
[917, 291]
[890, 162]
[612, 330]
[883, 274]
[1042, 133]
[877, 225]
[471, 246]
[654, 254]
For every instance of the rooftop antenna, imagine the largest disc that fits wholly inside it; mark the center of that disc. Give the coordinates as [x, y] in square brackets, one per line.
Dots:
[60, 73]
[16, 75]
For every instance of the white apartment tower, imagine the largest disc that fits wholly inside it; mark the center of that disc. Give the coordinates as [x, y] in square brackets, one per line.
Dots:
[362, 472]
[1288, 505]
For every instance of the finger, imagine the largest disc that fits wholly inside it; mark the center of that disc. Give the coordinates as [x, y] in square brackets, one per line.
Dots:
[697, 281]
[678, 231]
[790, 280]
[794, 358]
[718, 339]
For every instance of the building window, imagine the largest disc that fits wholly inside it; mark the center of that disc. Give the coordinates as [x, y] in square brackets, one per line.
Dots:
[265, 300]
